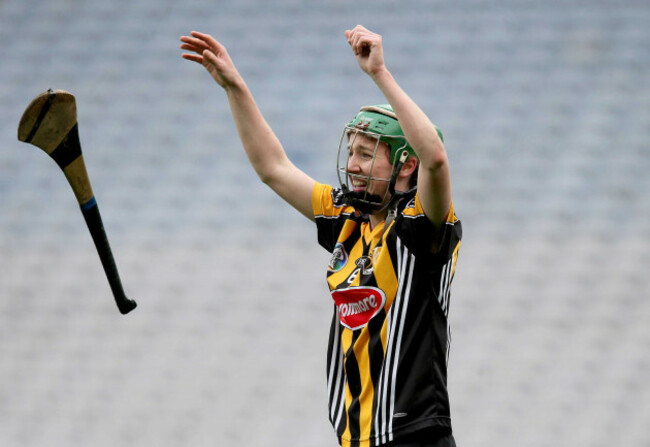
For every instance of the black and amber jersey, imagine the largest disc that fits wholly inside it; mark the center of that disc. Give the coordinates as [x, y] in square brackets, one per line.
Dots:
[389, 339]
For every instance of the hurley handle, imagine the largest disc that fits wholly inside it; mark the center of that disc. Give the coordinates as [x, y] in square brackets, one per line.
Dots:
[90, 211]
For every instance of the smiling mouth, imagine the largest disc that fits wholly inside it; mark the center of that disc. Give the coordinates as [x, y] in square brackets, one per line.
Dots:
[358, 185]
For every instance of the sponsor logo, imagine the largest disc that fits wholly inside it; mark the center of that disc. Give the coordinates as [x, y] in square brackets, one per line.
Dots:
[339, 258]
[358, 305]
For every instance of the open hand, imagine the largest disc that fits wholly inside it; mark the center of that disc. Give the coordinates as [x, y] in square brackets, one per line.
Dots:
[367, 47]
[213, 56]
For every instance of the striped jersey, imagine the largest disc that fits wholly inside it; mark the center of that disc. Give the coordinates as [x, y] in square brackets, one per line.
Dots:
[389, 338]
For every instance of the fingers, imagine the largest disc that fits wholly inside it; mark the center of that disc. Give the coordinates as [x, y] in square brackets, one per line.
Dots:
[198, 43]
[206, 58]
[210, 41]
[361, 38]
[356, 29]
[210, 57]
[193, 44]
[193, 57]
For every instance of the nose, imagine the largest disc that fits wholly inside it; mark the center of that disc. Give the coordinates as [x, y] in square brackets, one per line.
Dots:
[353, 163]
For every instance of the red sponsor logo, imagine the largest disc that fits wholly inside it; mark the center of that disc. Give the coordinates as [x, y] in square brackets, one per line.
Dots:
[357, 305]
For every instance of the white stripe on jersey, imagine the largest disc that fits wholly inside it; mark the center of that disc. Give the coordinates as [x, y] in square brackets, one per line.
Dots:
[441, 290]
[383, 414]
[404, 306]
[341, 405]
[323, 216]
[336, 380]
[448, 342]
[445, 281]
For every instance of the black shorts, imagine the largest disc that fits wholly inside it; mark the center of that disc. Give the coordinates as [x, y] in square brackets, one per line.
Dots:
[430, 437]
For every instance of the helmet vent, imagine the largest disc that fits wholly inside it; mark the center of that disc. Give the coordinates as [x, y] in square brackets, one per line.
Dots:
[381, 125]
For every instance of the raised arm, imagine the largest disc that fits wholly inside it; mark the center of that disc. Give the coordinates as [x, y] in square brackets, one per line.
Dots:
[263, 148]
[434, 182]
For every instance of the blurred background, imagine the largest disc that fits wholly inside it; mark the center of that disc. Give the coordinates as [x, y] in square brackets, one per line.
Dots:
[545, 107]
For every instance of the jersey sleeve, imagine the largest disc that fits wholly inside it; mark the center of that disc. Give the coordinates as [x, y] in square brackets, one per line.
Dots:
[330, 213]
[419, 234]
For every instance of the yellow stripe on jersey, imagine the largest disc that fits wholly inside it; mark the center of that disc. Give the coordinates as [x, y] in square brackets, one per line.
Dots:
[414, 210]
[347, 230]
[385, 273]
[453, 271]
[346, 342]
[417, 210]
[451, 217]
[365, 400]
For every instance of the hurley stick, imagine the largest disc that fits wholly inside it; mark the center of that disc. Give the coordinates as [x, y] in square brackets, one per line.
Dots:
[50, 123]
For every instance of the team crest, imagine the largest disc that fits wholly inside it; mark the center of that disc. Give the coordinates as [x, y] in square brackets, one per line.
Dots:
[339, 258]
[365, 264]
[363, 123]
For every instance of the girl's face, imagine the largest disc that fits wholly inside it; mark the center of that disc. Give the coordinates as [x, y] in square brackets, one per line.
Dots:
[369, 166]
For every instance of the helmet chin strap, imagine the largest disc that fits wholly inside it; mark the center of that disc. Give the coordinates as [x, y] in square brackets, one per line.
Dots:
[362, 202]
[396, 196]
